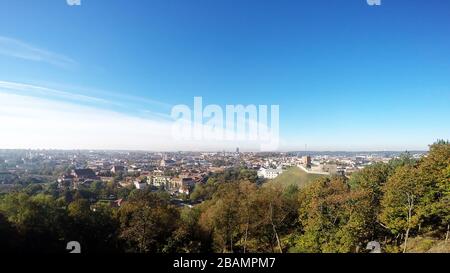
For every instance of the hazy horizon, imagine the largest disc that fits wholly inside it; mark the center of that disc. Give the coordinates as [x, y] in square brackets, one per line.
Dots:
[210, 151]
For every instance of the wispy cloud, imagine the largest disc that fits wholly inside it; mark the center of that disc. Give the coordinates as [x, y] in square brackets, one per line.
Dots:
[18, 49]
[91, 97]
[34, 90]
[121, 101]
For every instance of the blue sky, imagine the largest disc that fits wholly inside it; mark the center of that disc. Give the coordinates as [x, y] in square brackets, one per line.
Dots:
[347, 76]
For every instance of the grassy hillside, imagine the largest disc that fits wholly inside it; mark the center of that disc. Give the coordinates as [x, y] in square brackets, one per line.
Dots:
[428, 245]
[294, 176]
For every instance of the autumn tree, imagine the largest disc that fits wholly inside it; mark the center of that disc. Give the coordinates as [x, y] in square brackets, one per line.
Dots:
[367, 192]
[189, 236]
[434, 170]
[402, 202]
[147, 221]
[332, 217]
[221, 217]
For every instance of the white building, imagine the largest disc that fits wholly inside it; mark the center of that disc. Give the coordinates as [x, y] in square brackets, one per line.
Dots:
[160, 180]
[270, 173]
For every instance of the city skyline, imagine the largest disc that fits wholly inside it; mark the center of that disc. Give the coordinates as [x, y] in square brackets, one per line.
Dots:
[347, 76]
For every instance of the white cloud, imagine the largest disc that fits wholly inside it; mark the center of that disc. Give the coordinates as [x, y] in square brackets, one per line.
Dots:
[37, 123]
[119, 101]
[29, 122]
[18, 49]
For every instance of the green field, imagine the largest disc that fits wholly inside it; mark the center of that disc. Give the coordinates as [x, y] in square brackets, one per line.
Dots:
[294, 176]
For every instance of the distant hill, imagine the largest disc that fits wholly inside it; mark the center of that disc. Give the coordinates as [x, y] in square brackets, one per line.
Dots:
[294, 176]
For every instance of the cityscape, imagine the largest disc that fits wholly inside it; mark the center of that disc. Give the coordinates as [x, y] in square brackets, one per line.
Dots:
[223, 136]
[178, 173]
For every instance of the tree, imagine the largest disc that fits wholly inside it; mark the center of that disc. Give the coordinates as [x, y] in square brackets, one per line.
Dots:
[40, 221]
[189, 237]
[367, 190]
[97, 187]
[248, 175]
[33, 189]
[402, 200]
[275, 216]
[198, 193]
[325, 210]
[93, 226]
[147, 221]
[221, 218]
[231, 217]
[204, 191]
[435, 172]
[9, 238]
[246, 214]
[404, 159]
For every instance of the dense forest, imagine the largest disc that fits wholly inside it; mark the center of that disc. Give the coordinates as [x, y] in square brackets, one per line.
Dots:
[392, 203]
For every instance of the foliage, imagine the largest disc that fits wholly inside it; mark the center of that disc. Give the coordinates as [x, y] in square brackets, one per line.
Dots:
[147, 220]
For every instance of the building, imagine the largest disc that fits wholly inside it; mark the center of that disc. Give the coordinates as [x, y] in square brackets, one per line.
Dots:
[182, 184]
[269, 173]
[167, 163]
[8, 177]
[84, 174]
[133, 170]
[119, 169]
[65, 181]
[160, 181]
[307, 162]
[83, 177]
[140, 185]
